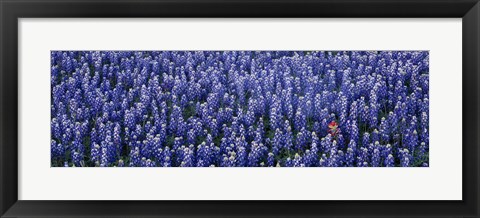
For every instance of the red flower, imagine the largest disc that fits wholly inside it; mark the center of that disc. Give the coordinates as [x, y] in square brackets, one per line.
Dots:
[333, 128]
[333, 125]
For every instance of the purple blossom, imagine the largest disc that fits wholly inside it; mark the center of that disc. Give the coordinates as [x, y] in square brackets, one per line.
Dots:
[239, 108]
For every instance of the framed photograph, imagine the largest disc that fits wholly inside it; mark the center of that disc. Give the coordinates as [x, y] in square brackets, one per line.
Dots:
[229, 108]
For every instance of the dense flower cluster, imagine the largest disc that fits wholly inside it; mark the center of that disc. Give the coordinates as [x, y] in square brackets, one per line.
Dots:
[239, 108]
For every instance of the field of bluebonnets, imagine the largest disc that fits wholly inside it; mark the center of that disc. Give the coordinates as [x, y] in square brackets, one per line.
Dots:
[239, 108]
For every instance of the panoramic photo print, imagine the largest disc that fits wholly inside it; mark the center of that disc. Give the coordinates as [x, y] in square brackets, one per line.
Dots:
[239, 109]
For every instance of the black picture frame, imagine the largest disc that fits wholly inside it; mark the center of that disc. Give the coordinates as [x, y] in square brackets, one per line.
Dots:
[11, 11]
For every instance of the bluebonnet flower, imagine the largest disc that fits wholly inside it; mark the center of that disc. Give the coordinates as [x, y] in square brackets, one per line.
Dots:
[270, 160]
[376, 158]
[363, 157]
[239, 108]
[405, 157]
[297, 161]
[389, 161]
